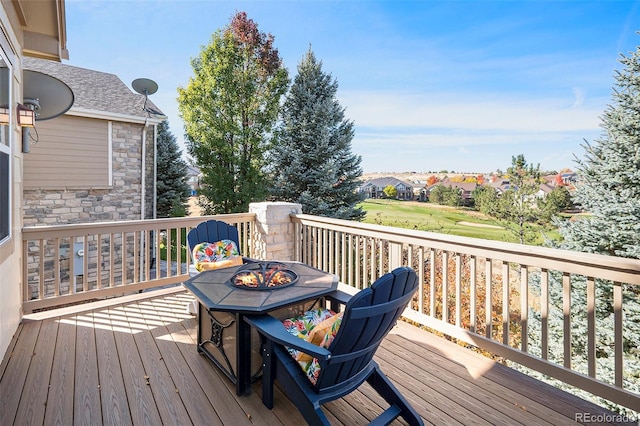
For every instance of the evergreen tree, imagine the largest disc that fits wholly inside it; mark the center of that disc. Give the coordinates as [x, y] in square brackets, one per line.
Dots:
[608, 185]
[312, 163]
[608, 189]
[171, 184]
[517, 208]
[229, 108]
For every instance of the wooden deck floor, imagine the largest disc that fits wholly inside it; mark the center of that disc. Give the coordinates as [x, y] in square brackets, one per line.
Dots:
[134, 361]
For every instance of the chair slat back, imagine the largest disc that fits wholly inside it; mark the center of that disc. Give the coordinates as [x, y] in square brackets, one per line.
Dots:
[367, 319]
[212, 231]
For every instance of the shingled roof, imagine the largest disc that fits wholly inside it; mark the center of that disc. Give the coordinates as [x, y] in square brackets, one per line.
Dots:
[95, 90]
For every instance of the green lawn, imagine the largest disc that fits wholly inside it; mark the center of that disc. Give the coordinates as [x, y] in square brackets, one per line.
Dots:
[435, 218]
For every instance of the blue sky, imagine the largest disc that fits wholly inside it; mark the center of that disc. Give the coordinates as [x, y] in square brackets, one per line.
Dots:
[430, 85]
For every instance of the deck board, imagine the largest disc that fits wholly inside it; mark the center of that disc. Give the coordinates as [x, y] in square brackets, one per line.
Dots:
[59, 409]
[135, 361]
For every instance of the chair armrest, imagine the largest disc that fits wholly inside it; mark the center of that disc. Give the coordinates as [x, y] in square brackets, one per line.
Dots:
[339, 296]
[272, 329]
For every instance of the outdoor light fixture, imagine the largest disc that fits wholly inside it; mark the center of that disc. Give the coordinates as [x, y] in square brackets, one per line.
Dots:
[4, 116]
[26, 116]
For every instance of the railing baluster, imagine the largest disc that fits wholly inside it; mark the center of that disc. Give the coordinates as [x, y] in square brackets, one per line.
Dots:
[112, 259]
[524, 308]
[505, 303]
[376, 260]
[618, 339]
[432, 282]
[357, 265]
[421, 280]
[365, 262]
[56, 266]
[99, 261]
[344, 250]
[591, 326]
[137, 235]
[488, 315]
[544, 312]
[473, 309]
[566, 314]
[458, 261]
[445, 286]
[85, 263]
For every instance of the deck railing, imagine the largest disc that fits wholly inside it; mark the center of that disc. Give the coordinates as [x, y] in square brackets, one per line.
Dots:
[79, 262]
[568, 315]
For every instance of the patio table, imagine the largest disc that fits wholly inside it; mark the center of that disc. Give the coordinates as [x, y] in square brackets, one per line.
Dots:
[224, 336]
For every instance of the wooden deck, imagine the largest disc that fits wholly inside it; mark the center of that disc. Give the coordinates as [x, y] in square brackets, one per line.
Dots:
[134, 361]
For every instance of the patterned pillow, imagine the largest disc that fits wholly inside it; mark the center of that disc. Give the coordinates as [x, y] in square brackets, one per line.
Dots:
[206, 254]
[318, 327]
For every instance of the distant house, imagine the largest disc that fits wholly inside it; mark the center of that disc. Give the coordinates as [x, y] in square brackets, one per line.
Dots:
[544, 190]
[193, 179]
[500, 185]
[96, 161]
[465, 188]
[375, 188]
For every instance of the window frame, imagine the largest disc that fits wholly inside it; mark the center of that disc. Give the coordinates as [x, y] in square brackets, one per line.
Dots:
[6, 149]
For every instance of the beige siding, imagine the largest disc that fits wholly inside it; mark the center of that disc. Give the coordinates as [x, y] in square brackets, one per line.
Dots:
[71, 152]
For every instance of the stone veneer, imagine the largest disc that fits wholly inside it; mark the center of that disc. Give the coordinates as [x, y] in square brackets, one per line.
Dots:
[274, 230]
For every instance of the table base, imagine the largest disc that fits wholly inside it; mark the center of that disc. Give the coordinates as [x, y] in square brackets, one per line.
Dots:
[219, 338]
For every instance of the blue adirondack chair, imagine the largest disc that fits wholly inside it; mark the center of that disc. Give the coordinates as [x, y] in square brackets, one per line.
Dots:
[348, 361]
[211, 231]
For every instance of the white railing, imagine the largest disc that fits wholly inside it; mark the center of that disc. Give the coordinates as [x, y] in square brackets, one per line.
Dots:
[74, 263]
[532, 305]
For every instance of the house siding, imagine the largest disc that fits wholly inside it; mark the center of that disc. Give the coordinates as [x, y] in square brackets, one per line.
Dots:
[70, 152]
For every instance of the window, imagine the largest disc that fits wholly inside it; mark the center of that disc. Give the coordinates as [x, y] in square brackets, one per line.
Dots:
[5, 155]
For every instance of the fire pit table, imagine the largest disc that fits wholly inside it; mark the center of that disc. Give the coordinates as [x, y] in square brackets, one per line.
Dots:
[226, 296]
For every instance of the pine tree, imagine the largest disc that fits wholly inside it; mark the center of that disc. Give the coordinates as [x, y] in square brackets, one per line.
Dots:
[517, 208]
[312, 163]
[171, 184]
[608, 189]
[609, 176]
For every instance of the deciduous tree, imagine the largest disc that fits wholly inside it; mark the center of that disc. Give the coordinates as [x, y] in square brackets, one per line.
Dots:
[229, 108]
[390, 191]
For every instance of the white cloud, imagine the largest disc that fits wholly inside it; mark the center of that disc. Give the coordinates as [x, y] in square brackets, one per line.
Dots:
[471, 112]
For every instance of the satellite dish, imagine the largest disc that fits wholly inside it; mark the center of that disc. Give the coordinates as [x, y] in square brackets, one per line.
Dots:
[144, 86]
[46, 95]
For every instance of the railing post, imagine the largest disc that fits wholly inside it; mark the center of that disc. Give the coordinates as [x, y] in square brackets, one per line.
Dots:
[274, 237]
[395, 256]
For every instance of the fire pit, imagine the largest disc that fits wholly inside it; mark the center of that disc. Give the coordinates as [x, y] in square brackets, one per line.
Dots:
[263, 276]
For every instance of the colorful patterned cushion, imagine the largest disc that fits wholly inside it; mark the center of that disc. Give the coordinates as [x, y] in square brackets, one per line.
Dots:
[318, 327]
[207, 255]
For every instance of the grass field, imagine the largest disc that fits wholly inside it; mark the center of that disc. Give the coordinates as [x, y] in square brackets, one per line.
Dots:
[436, 218]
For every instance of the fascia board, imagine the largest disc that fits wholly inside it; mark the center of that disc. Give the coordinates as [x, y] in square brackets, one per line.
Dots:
[102, 115]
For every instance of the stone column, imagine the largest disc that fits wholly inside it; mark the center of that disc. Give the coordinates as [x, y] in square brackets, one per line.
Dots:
[273, 238]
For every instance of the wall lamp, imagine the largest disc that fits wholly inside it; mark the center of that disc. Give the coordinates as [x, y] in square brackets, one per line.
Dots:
[26, 116]
[4, 116]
